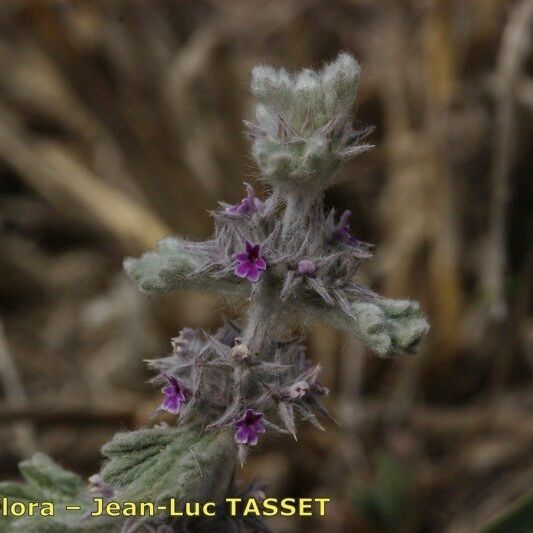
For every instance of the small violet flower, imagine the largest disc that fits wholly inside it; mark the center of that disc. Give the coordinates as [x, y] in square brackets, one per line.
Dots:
[306, 268]
[249, 205]
[342, 230]
[250, 263]
[249, 427]
[174, 396]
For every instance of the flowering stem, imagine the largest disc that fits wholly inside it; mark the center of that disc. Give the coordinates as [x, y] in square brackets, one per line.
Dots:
[264, 311]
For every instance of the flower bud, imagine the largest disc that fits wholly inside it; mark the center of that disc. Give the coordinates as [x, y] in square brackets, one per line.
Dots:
[297, 390]
[306, 268]
[239, 352]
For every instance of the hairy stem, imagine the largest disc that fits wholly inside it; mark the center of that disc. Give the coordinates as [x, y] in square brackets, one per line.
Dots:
[299, 210]
[262, 319]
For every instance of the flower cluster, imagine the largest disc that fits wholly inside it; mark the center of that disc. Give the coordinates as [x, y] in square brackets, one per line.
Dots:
[214, 380]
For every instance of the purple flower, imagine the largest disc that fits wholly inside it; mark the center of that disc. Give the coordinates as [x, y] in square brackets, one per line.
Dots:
[249, 427]
[341, 232]
[250, 263]
[306, 268]
[248, 205]
[174, 396]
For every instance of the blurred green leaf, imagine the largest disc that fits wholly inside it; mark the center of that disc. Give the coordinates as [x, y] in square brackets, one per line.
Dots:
[46, 481]
[384, 502]
[518, 518]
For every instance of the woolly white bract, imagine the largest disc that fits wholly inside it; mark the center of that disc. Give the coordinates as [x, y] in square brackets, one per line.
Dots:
[302, 130]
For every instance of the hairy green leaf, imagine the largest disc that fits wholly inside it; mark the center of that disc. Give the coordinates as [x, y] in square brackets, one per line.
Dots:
[161, 463]
[46, 481]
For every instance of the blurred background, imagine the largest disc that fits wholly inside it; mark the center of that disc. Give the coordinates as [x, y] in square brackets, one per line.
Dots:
[121, 123]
